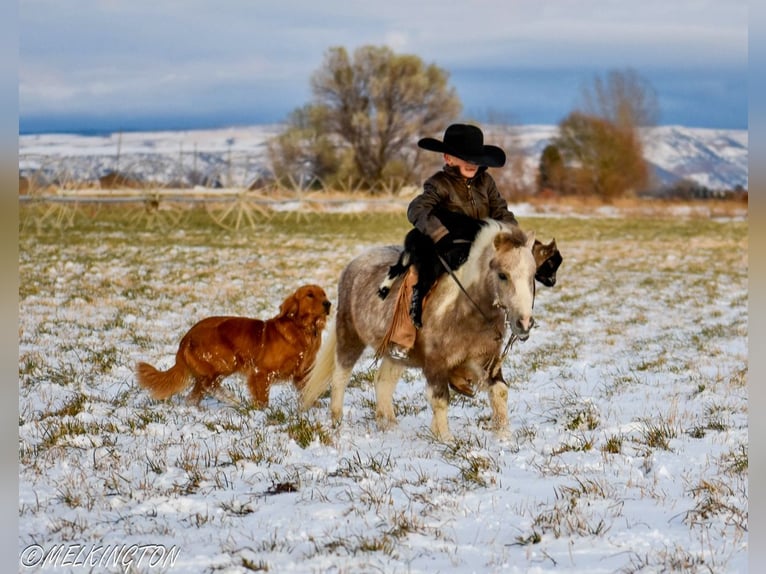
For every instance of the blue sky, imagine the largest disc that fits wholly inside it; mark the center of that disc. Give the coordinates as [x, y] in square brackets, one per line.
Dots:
[139, 64]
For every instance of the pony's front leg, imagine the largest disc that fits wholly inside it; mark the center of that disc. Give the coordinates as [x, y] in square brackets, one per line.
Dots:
[437, 391]
[385, 383]
[498, 402]
[498, 397]
[338, 385]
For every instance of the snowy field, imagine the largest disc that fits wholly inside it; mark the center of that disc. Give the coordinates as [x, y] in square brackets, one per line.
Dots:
[627, 452]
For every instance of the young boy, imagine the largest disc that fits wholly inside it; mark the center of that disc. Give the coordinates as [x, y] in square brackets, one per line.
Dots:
[463, 186]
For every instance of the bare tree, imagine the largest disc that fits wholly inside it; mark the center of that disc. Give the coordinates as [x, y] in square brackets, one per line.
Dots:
[622, 98]
[551, 172]
[600, 144]
[600, 158]
[367, 113]
[304, 155]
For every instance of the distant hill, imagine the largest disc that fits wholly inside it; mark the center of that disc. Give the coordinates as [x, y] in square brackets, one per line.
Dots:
[713, 158]
[716, 159]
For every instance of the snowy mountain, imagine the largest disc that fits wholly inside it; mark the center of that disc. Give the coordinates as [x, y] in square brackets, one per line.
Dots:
[713, 158]
[237, 156]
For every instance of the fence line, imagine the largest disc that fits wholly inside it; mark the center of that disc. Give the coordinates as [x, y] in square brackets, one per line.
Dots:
[202, 196]
[214, 168]
[231, 209]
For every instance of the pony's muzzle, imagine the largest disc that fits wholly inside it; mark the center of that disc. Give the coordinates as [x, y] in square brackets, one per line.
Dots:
[522, 327]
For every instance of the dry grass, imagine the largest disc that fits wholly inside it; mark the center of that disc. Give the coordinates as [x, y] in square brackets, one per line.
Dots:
[629, 406]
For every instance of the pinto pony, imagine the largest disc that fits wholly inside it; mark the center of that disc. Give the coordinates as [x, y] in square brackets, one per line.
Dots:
[462, 332]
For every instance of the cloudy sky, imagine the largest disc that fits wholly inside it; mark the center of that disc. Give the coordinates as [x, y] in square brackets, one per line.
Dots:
[122, 64]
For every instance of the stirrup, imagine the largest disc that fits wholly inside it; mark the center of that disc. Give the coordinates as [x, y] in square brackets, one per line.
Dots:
[398, 352]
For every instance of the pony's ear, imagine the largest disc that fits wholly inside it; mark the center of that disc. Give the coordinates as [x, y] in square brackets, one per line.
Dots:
[289, 306]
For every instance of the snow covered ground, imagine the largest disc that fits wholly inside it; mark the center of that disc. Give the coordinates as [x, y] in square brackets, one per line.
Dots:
[628, 441]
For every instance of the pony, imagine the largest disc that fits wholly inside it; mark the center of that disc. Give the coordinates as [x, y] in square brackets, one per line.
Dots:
[464, 326]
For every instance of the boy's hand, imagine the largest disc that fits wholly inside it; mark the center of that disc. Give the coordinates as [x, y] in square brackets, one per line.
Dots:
[444, 244]
[453, 252]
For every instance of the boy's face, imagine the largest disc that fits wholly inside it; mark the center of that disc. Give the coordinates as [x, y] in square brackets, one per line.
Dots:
[467, 169]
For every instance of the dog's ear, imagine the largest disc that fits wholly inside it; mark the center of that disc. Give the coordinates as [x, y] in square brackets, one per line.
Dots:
[289, 307]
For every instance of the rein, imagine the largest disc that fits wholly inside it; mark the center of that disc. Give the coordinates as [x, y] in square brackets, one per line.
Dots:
[460, 285]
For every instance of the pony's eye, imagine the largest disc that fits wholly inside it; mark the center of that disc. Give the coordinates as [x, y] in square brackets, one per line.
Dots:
[502, 276]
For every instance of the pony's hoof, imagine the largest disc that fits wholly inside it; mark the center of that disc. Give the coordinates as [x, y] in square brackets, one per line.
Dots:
[442, 436]
[446, 438]
[503, 434]
[386, 423]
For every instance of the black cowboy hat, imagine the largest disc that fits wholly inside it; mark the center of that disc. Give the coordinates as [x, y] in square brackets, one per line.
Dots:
[467, 143]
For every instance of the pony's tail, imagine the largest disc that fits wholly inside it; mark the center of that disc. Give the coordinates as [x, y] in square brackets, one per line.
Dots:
[162, 384]
[324, 366]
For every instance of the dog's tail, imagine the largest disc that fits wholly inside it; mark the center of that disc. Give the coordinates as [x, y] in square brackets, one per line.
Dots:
[322, 371]
[162, 384]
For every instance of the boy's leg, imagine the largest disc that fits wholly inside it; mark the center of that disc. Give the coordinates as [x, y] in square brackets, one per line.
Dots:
[403, 330]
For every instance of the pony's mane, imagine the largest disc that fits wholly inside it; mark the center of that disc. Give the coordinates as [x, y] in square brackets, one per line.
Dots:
[470, 270]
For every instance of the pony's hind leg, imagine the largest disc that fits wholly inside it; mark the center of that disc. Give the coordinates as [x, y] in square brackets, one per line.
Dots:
[340, 378]
[385, 383]
[348, 348]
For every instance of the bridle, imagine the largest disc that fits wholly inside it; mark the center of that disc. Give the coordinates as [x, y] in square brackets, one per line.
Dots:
[513, 337]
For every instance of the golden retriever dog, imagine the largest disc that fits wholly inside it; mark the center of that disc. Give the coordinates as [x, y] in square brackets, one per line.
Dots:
[265, 351]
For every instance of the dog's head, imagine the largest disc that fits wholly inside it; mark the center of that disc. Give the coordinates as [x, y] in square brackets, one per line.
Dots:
[309, 307]
[548, 259]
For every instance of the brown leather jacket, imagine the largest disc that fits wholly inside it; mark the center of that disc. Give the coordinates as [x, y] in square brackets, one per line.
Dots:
[477, 197]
